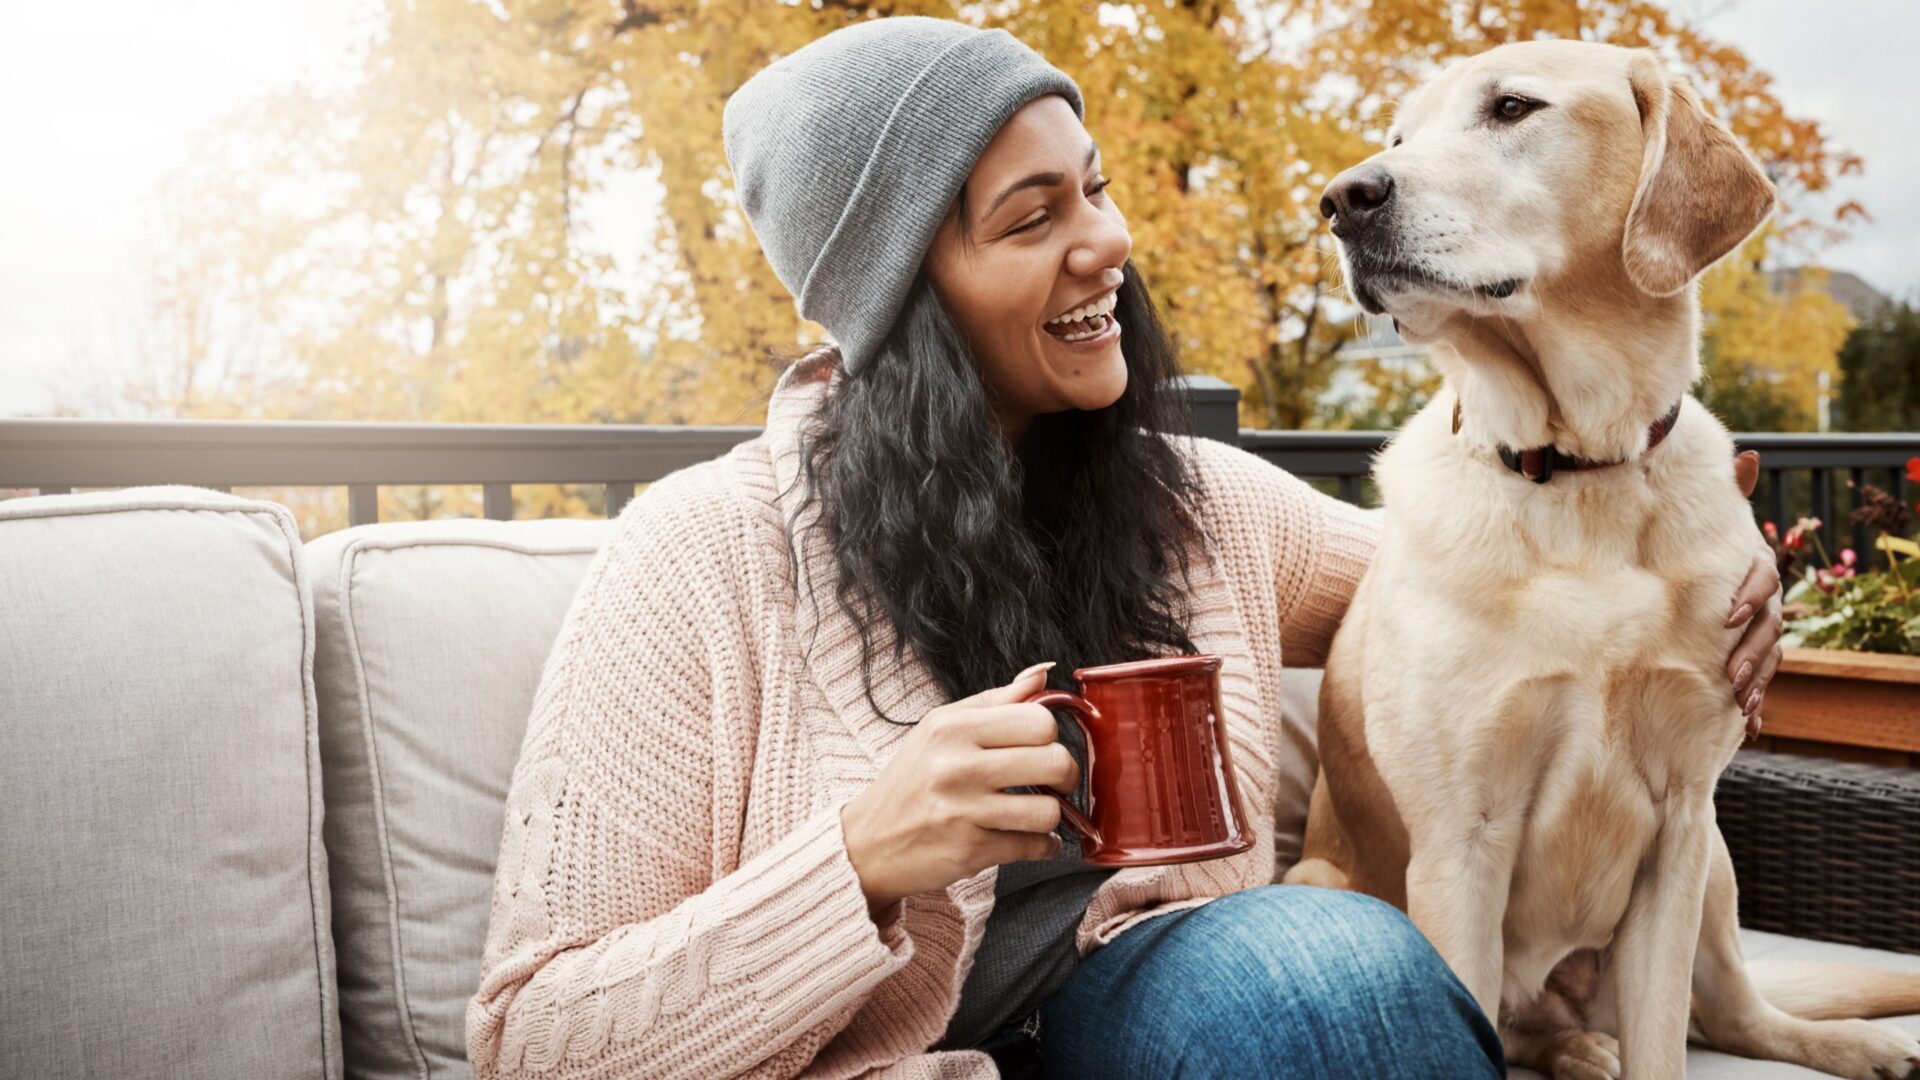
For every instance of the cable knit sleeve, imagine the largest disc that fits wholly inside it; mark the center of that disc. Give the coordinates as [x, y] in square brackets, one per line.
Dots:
[1317, 546]
[1317, 579]
[620, 943]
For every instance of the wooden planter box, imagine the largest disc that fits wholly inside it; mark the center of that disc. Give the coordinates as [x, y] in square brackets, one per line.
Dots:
[1863, 706]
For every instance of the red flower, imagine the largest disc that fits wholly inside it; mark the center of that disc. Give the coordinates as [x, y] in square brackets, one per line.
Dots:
[1767, 527]
[1913, 470]
[1794, 540]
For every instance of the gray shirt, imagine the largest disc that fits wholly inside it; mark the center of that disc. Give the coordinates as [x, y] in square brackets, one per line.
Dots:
[1027, 951]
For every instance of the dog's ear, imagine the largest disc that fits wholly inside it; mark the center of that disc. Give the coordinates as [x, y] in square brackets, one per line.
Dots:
[1699, 195]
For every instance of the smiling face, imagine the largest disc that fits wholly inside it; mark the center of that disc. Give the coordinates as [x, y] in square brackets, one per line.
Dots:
[1506, 175]
[1029, 263]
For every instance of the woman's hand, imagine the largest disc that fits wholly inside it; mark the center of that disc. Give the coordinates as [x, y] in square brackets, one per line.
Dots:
[1757, 655]
[937, 813]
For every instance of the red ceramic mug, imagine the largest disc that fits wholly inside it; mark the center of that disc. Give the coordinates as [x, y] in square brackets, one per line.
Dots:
[1160, 784]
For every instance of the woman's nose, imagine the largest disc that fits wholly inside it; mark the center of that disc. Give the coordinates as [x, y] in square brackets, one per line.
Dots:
[1106, 243]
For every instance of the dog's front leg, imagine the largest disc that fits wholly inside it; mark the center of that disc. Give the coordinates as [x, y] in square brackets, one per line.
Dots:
[1459, 876]
[1652, 960]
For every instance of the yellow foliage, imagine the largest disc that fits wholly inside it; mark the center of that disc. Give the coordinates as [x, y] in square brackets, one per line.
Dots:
[1789, 338]
[418, 246]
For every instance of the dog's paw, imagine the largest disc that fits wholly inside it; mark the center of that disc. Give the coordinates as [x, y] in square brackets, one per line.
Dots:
[1316, 872]
[1869, 1051]
[1586, 1055]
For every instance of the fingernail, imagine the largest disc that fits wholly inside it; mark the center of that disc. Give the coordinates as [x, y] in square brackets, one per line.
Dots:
[1753, 702]
[1746, 669]
[1739, 614]
[1035, 670]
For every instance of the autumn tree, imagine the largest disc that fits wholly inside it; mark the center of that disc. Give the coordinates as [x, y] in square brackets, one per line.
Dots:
[466, 231]
[1768, 355]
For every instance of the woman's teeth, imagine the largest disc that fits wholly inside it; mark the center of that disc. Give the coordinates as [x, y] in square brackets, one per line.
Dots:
[1084, 322]
[1095, 327]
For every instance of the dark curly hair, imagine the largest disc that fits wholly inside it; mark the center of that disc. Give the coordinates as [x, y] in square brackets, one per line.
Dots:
[989, 556]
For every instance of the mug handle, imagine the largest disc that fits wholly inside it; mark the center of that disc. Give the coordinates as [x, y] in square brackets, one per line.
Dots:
[1085, 716]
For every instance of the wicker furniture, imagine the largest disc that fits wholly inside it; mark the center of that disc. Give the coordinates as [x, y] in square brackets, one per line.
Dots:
[253, 789]
[1825, 849]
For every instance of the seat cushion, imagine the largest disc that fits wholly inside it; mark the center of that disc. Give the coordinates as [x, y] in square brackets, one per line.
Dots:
[431, 640]
[1298, 763]
[166, 897]
[1764, 948]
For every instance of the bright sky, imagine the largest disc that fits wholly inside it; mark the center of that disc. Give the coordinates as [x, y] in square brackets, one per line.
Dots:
[84, 153]
[1850, 66]
[96, 103]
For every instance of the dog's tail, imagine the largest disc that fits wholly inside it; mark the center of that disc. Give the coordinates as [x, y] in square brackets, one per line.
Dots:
[1817, 991]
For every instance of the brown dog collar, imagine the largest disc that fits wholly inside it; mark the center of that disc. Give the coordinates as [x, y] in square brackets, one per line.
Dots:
[1539, 463]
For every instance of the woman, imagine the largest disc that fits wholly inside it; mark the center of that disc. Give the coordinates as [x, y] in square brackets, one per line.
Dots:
[762, 823]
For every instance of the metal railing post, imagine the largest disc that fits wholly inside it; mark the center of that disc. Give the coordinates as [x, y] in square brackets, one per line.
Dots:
[363, 504]
[497, 501]
[1216, 407]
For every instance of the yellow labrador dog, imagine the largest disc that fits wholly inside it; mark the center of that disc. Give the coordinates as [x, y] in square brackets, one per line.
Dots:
[1525, 710]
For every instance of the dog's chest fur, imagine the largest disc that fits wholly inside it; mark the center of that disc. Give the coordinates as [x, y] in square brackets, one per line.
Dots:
[1552, 657]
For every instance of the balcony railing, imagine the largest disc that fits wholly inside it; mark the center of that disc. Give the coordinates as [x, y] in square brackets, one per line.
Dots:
[55, 456]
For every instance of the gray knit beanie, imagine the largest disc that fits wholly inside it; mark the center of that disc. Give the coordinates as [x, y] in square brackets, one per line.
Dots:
[849, 152]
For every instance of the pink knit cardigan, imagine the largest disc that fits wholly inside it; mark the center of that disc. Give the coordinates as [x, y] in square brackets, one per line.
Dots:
[673, 896]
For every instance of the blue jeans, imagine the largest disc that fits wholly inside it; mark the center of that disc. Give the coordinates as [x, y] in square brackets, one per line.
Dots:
[1278, 981]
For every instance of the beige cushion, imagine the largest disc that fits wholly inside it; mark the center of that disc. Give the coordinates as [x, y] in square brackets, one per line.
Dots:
[432, 636]
[165, 907]
[1298, 763]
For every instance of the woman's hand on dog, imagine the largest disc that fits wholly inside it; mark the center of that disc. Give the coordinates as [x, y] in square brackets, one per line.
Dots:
[1757, 656]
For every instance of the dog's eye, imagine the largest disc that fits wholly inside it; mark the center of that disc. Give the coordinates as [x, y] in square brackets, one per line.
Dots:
[1395, 142]
[1509, 107]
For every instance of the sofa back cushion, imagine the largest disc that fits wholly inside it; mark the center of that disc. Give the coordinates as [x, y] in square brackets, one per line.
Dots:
[166, 907]
[432, 637]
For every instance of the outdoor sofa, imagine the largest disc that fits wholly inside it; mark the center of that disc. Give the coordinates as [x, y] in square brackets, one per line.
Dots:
[251, 789]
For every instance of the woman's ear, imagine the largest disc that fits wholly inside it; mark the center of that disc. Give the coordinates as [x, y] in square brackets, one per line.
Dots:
[1699, 194]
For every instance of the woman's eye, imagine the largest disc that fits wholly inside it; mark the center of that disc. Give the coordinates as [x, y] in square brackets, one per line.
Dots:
[1509, 107]
[1042, 218]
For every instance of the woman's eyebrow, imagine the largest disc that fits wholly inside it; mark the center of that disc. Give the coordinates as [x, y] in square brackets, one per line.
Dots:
[1046, 179]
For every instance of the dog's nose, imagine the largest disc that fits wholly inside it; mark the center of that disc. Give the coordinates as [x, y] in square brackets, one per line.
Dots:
[1356, 197]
